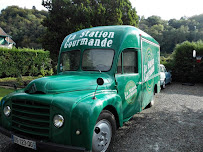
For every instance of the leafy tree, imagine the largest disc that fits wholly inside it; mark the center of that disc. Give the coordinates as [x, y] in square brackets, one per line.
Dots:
[24, 25]
[172, 32]
[154, 20]
[157, 31]
[67, 16]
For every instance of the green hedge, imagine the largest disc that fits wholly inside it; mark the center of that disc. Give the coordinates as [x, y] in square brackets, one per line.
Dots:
[185, 67]
[17, 62]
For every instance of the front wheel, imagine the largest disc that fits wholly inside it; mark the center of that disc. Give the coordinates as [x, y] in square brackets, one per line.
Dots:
[104, 131]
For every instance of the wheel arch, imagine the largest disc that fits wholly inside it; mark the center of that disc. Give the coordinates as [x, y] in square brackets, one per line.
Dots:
[113, 110]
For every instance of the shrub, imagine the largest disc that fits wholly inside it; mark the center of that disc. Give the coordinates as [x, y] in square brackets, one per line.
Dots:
[185, 67]
[17, 62]
[167, 62]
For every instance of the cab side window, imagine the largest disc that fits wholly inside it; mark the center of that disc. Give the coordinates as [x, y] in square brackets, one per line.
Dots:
[128, 62]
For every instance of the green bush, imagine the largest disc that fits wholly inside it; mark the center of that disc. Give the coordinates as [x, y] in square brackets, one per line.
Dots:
[167, 62]
[185, 67]
[17, 62]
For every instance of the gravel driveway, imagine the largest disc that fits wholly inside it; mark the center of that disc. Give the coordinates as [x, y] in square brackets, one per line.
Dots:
[175, 123]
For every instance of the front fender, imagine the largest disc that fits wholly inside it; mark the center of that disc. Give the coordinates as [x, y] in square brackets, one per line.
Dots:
[85, 113]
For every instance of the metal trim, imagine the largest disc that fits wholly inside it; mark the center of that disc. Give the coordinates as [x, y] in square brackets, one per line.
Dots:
[150, 42]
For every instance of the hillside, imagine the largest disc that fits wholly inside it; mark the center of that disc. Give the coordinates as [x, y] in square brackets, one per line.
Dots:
[23, 25]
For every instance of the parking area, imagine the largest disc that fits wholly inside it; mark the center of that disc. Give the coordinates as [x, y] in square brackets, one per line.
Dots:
[174, 123]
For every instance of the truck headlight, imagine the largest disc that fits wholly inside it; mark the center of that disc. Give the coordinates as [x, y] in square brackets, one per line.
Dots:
[58, 121]
[7, 110]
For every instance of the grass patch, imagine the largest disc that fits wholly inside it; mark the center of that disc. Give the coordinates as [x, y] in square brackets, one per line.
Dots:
[4, 92]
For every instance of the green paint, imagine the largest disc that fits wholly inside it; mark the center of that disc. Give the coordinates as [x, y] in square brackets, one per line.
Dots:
[70, 93]
[149, 62]
[130, 92]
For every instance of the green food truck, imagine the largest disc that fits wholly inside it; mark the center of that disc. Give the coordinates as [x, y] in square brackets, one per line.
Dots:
[105, 75]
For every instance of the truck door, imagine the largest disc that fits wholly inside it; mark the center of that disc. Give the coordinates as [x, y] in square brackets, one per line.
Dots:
[128, 82]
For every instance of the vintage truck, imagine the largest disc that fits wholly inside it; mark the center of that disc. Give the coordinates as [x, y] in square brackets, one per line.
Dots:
[105, 75]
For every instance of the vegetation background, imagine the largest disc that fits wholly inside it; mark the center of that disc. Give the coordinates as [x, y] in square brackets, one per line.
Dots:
[24, 26]
[47, 29]
[18, 62]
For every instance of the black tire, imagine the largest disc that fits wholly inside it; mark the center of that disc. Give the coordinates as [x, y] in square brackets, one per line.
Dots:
[108, 119]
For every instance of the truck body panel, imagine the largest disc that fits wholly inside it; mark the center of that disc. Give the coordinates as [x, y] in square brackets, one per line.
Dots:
[127, 60]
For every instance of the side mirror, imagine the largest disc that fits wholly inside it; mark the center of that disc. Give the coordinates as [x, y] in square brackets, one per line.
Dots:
[100, 81]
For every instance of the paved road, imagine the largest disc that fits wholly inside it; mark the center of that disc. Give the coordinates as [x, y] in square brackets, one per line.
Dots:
[175, 123]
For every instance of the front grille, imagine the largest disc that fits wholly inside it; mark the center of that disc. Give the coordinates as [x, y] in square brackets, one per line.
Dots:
[31, 118]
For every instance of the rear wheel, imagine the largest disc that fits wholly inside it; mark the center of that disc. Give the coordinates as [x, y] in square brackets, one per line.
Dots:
[104, 131]
[152, 100]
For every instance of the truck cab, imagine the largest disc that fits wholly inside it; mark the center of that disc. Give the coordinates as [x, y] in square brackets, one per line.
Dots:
[105, 75]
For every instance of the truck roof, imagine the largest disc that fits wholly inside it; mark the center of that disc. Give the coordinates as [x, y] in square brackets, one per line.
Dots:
[116, 37]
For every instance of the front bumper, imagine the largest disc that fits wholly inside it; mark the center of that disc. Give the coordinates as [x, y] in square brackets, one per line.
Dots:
[47, 145]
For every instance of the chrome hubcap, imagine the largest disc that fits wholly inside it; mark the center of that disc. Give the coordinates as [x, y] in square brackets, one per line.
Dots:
[101, 136]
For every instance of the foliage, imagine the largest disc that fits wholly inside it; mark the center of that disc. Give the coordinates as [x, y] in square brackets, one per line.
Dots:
[24, 78]
[172, 32]
[31, 28]
[68, 16]
[4, 92]
[167, 62]
[198, 18]
[18, 62]
[185, 67]
[19, 82]
[24, 25]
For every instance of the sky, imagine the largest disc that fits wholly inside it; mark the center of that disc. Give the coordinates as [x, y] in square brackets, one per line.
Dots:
[166, 9]
[22, 3]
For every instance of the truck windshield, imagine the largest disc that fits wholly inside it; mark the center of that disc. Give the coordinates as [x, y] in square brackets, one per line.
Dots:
[97, 60]
[70, 60]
